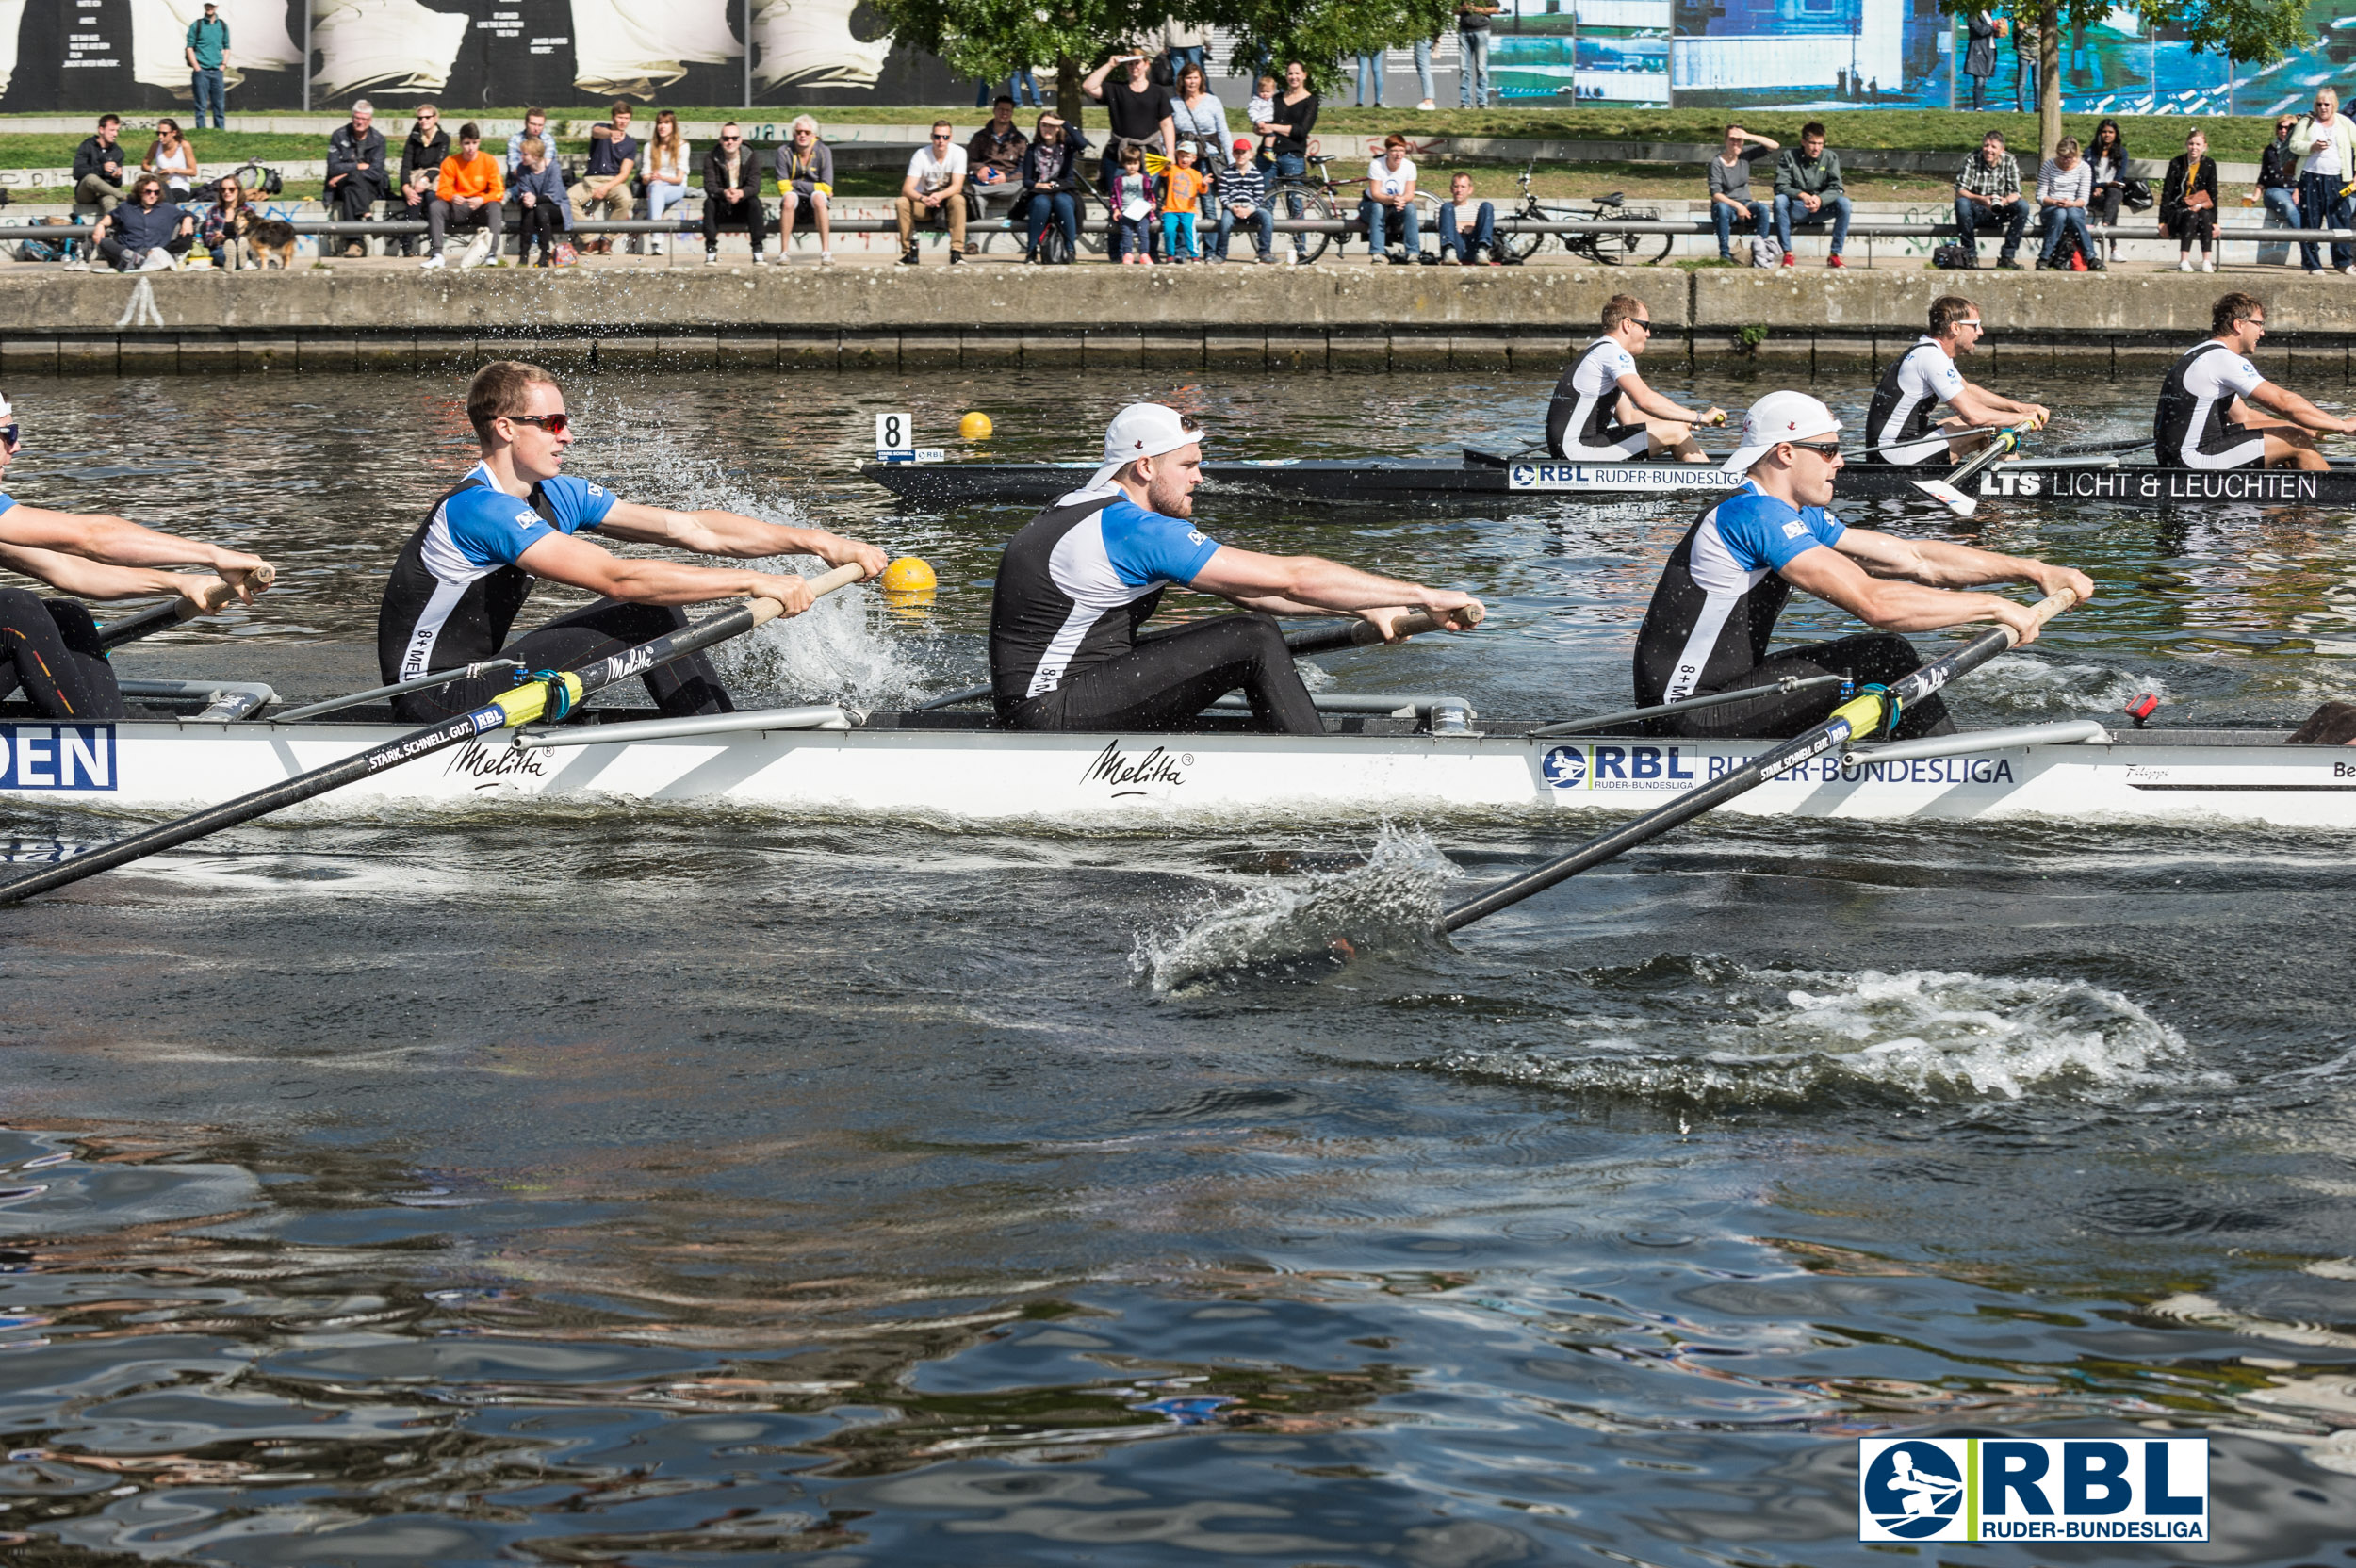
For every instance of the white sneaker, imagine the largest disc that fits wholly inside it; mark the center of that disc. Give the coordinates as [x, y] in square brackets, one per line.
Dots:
[433, 263]
[2184, 264]
[1427, 106]
[761, 258]
[825, 258]
[711, 258]
[2350, 270]
[2208, 264]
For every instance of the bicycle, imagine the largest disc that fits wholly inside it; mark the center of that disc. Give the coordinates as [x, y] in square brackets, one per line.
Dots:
[1310, 196]
[1610, 249]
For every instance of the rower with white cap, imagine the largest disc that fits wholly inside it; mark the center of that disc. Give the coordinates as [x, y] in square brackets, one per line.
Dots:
[1726, 581]
[1080, 578]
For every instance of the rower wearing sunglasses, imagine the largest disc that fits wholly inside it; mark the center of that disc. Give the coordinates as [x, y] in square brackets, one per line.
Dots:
[463, 576]
[1726, 581]
[50, 649]
[1902, 426]
[1603, 412]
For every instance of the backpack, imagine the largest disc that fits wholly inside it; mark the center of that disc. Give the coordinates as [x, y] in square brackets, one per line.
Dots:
[1765, 252]
[1952, 258]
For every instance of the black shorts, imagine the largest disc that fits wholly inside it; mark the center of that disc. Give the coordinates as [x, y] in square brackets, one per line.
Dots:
[1613, 444]
[1877, 658]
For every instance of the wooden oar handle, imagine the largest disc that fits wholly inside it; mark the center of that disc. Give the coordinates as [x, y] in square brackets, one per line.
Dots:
[2046, 609]
[765, 611]
[1366, 633]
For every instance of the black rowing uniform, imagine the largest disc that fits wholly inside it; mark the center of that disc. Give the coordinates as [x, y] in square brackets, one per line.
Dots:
[2189, 427]
[1708, 628]
[50, 649]
[1905, 406]
[1074, 587]
[456, 588]
[1583, 421]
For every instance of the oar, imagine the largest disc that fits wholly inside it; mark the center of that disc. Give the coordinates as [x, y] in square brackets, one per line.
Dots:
[1352, 634]
[507, 710]
[1948, 492]
[2097, 449]
[1859, 717]
[131, 628]
[1629, 715]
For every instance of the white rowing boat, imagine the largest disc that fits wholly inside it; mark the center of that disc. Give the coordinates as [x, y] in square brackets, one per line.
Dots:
[832, 759]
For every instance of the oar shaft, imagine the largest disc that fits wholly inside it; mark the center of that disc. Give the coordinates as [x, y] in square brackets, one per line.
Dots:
[1833, 733]
[520, 706]
[154, 618]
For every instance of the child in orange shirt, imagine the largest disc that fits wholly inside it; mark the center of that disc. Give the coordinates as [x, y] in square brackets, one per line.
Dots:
[1182, 188]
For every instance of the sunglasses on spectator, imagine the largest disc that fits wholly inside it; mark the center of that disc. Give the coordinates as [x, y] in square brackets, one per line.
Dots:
[731, 139]
[555, 424]
[941, 135]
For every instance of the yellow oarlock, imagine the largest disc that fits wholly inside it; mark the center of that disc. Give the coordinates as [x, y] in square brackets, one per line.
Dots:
[531, 701]
[1864, 713]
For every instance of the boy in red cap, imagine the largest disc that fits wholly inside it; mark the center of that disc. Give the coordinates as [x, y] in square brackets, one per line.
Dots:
[1240, 193]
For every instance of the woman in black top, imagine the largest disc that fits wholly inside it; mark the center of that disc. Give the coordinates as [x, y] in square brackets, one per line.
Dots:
[2278, 176]
[2106, 159]
[1293, 116]
[1138, 108]
[2188, 203]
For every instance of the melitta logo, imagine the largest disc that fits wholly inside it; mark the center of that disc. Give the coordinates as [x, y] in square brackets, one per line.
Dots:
[1131, 775]
[2033, 1489]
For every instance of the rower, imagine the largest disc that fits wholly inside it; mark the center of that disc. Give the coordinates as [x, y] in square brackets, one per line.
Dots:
[51, 647]
[458, 582]
[1603, 412]
[1079, 579]
[1726, 581]
[2204, 421]
[1898, 426]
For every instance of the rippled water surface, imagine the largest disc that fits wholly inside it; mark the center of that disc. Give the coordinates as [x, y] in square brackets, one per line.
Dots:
[566, 1184]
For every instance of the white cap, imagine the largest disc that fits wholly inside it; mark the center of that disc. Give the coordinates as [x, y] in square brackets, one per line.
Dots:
[5, 412]
[1775, 418]
[1141, 429]
[1190, 147]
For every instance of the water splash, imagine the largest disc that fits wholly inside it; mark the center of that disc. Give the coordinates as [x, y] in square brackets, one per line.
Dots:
[2023, 684]
[1799, 1036]
[1393, 900]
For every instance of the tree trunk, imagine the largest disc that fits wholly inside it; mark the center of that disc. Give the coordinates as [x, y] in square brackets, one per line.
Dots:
[1069, 100]
[2049, 37]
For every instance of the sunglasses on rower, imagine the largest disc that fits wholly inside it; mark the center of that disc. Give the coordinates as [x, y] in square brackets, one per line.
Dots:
[1825, 450]
[14, 435]
[555, 424]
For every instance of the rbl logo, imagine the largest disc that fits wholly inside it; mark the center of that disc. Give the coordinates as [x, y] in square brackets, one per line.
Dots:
[1566, 767]
[2033, 1489]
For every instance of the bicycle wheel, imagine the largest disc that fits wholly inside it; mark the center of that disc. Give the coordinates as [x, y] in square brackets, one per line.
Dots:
[1292, 199]
[1521, 246]
[1634, 249]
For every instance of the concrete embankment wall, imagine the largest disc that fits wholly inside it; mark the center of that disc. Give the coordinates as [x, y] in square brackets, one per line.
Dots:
[1328, 316]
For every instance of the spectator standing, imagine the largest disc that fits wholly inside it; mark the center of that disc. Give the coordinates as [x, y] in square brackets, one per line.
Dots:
[1291, 119]
[1131, 196]
[428, 144]
[207, 47]
[1472, 52]
[417, 206]
[1394, 231]
[2107, 158]
[146, 233]
[2327, 144]
[535, 125]
[1809, 190]
[232, 251]
[1987, 193]
[1198, 117]
[1369, 67]
[934, 188]
[98, 166]
[1983, 28]
[2277, 175]
[1184, 43]
[1467, 229]
[539, 192]
[1183, 190]
[1259, 107]
[732, 194]
[470, 193]
[1053, 184]
[805, 179]
[172, 158]
[1240, 194]
[1731, 200]
[358, 178]
[604, 191]
[667, 164]
[1139, 108]
[1423, 74]
[2024, 62]
[2064, 187]
[2188, 204]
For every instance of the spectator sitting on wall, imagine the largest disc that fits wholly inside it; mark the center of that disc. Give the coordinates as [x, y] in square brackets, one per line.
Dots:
[1394, 230]
[146, 233]
[539, 190]
[356, 176]
[98, 168]
[604, 192]
[1987, 193]
[1467, 230]
[992, 159]
[933, 189]
[806, 178]
[535, 125]
[1730, 188]
[2277, 175]
[732, 194]
[669, 158]
[232, 251]
[2107, 158]
[427, 147]
[417, 206]
[2063, 186]
[470, 192]
[172, 158]
[1809, 190]
[1242, 198]
[1053, 182]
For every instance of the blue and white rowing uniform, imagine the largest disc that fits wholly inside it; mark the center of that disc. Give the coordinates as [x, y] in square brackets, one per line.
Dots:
[2189, 429]
[1583, 421]
[1905, 406]
[455, 587]
[49, 648]
[1074, 587]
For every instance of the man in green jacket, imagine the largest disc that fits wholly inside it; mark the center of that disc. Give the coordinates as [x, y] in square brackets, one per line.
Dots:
[207, 50]
[1808, 192]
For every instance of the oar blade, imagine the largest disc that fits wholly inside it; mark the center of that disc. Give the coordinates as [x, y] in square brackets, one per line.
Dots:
[1948, 495]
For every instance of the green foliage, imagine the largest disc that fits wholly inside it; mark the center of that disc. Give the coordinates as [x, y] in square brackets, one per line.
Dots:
[2255, 32]
[1324, 34]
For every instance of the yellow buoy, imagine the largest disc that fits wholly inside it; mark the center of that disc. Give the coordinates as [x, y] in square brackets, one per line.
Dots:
[908, 575]
[974, 427]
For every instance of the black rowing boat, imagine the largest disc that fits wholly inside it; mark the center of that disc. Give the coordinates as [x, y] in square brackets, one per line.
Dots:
[1482, 479]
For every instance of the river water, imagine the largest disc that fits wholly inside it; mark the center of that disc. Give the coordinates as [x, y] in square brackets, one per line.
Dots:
[665, 1186]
